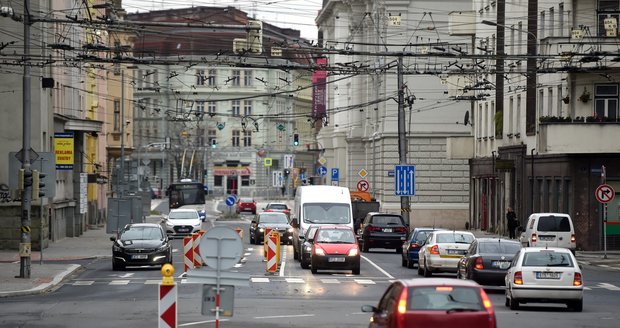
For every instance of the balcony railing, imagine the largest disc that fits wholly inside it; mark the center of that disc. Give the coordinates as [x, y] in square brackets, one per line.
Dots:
[579, 135]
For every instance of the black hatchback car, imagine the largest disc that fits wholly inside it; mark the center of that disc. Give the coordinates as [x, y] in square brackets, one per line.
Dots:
[383, 230]
[487, 260]
[141, 244]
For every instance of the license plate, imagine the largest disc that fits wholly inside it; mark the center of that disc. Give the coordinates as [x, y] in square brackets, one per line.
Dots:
[500, 264]
[183, 230]
[387, 230]
[547, 275]
[455, 251]
[547, 238]
[336, 259]
[139, 257]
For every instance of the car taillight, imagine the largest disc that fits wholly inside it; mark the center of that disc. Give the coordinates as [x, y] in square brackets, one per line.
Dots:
[371, 228]
[434, 250]
[486, 302]
[518, 279]
[401, 229]
[479, 264]
[402, 308]
[534, 239]
[413, 245]
[577, 279]
[573, 239]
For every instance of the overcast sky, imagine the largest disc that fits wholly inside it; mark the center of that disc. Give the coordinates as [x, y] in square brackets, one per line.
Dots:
[296, 14]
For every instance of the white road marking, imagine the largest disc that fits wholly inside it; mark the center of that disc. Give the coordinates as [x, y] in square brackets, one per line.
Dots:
[152, 282]
[238, 265]
[200, 322]
[250, 249]
[246, 254]
[285, 316]
[182, 275]
[126, 275]
[119, 282]
[587, 288]
[295, 280]
[330, 281]
[364, 281]
[83, 283]
[378, 267]
[608, 286]
[283, 263]
[256, 279]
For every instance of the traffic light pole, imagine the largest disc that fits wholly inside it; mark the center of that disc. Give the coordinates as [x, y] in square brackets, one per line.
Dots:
[25, 244]
[402, 141]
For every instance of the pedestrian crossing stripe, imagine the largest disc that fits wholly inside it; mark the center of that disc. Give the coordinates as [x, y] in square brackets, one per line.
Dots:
[119, 282]
[83, 283]
[295, 280]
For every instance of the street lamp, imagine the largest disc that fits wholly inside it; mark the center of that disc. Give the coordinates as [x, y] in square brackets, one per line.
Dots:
[490, 23]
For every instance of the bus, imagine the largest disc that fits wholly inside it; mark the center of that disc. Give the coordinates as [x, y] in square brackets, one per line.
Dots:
[187, 194]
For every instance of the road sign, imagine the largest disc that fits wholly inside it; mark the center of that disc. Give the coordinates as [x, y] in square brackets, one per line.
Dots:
[230, 200]
[322, 160]
[322, 170]
[221, 248]
[267, 161]
[605, 193]
[404, 180]
[277, 179]
[288, 161]
[362, 173]
[335, 174]
[363, 185]
[209, 298]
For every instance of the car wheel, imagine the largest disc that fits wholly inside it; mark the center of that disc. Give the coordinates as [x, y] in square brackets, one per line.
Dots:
[251, 239]
[507, 301]
[364, 246]
[420, 272]
[427, 272]
[409, 264]
[313, 269]
[356, 270]
[513, 304]
[295, 255]
[304, 264]
[403, 261]
[117, 265]
[576, 306]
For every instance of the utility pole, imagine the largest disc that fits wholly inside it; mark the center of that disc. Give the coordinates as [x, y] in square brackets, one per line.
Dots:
[25, 244]
[121, 176]
[402, 141]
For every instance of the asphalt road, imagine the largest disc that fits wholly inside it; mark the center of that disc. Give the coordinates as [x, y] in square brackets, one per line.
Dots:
[100, 297]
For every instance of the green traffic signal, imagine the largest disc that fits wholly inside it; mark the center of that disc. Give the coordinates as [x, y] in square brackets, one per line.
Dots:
[296, 139]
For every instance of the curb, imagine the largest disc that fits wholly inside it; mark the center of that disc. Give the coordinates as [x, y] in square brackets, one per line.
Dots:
[43, 287]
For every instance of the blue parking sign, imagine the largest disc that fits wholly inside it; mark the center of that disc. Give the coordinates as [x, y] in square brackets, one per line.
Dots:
[335, 174]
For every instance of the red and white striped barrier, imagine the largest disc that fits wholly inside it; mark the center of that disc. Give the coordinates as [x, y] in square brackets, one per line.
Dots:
[167, 298]
[196, 246]
[265, 236]
[188, 253]
[272, 252]
[201, 233]
[239, 232]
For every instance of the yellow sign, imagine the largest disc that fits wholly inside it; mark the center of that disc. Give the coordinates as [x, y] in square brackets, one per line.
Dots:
[268, 161]
[63, 148]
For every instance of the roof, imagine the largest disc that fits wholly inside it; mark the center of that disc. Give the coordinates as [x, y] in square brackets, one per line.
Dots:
[383, 213]
[152, 225]
[343, 227]
[438, 282]
[183, 210]
[538, 249]
[454, 231]
[503, 240]
[550, 214]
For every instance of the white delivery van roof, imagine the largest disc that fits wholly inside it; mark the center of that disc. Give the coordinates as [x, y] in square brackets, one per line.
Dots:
[324, 194]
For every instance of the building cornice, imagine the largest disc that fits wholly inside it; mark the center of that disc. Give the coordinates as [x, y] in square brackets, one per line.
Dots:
[79, 124]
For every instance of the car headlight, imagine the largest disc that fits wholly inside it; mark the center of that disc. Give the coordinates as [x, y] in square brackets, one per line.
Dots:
[290, 229]
[261, 229]
[169, 225]
[319, 251]
[308, 248]
[353, 252]
[162, 247]
[198, 224]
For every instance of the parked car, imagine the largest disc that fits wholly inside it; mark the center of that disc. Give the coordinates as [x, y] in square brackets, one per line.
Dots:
[411, 246]
[246, 205]
[487, 260]
[275, 220]
[278, 207]
[435, 302]
[139, 244]
[383, 230]
[306, 247]
[544, 275]
[335, 248]
[181, 222]
[155, 193]
[442, 251]
[549, 230]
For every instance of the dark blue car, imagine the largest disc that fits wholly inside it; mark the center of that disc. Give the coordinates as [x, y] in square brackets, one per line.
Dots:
[411, 247]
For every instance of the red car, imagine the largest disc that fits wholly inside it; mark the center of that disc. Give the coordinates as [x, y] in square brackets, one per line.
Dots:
[278, 207]
[434, 302]
[335, 248]
[246, 205]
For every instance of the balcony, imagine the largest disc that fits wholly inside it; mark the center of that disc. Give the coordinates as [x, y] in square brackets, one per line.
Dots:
[580, 135]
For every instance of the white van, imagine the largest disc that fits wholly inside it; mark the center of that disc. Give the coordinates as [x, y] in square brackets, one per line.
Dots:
[319, 205]
[549, 230]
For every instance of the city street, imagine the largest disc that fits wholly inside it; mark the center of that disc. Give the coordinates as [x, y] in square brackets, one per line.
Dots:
[293, 297]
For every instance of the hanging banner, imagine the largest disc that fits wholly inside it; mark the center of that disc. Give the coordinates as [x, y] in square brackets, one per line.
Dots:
[319, 80]
[63, 148]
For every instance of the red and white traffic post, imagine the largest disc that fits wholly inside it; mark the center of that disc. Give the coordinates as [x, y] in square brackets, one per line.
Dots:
[265, 236]
[272, 252]
[167, 308]
[604, 194]
[196, 247]
[188, 253]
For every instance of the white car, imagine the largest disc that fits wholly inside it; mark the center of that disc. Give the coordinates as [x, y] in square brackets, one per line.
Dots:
[442, 251]
[182, 222]
[544, 275]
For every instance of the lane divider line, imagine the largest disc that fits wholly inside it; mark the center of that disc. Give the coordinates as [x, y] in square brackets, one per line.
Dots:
[378, 267]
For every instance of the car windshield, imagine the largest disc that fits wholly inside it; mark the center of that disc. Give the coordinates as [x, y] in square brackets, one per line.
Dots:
[246, 200]
[421, 236]
[499, 247]
[554, 223]
[277, 207]
[327, 213]
[455, 237]
[335, 236]
[183, 215]
[273, 218]
[546, 258]
[444, 298]
[141, 233]
[386, 220]
[310, 233]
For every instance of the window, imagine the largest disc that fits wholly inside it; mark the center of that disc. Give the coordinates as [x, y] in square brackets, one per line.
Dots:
[212, 77]
[561, 19]
[512, 40]
[247, 138]
[200, 108]
[606, 100]
[559, 101]
[247, 107]
[542, 25]
[245, 180]
[518, 115]
[486, 120]
[551, 21]
[212, 107]
[608, 9]
[236, 135]
[550, 102]
[541, 103]
[211, 136]
[200, 77]
[117, 114]
[510, 115]
[236, 107]
[217, 181]
[520, 37]
[247, 78]
[236, 77]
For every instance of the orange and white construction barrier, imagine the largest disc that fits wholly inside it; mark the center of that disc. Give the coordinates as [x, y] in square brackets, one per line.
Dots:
[265, 236]
[272, 252]
[167, 298]
[240, 232]
[196, 246]
[188, 253]
[201, 233]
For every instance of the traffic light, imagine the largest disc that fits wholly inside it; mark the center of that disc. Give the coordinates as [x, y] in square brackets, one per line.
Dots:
[287, 172]
[37, 184]
[296, 139]
[213, 143]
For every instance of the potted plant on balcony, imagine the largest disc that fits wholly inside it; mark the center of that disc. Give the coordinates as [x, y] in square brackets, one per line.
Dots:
[585, 96]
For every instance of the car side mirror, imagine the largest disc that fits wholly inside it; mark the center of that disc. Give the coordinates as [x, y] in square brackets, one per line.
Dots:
[294, 223]
[369, 308]
[253, 222]
[112, 238]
